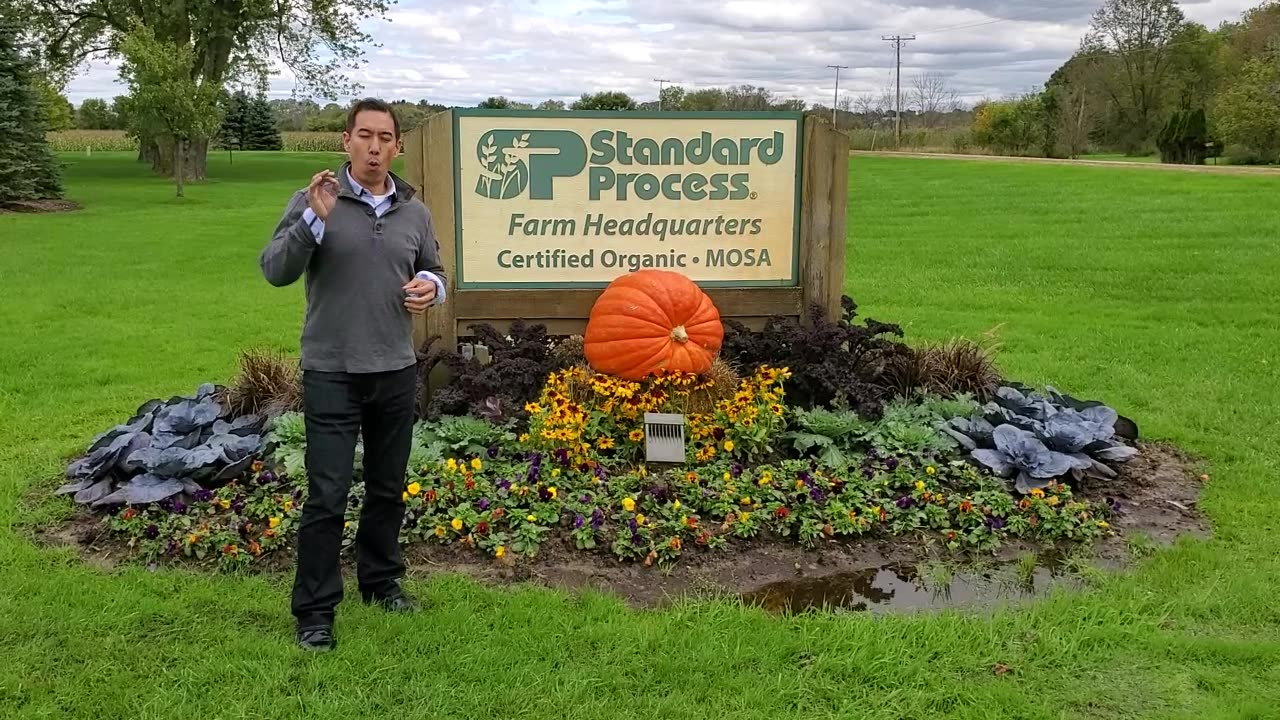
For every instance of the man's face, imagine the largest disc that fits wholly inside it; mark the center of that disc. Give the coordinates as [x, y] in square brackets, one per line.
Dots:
[372, 145]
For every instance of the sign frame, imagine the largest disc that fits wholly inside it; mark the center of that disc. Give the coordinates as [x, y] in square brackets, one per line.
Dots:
[791, 116]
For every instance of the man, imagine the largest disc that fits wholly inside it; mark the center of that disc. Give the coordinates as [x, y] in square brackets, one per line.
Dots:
[370, 254]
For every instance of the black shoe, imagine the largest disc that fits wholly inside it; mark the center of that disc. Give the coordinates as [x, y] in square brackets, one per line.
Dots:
[319, 638]
[396, 601]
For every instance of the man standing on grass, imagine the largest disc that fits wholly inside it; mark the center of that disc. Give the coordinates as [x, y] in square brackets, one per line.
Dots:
[370, 254]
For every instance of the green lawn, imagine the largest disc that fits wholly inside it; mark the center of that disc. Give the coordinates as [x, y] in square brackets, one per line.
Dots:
[1151, 290]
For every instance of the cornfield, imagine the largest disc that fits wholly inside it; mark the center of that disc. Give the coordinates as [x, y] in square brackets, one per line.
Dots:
[82, 140]
[117, 140]
[312, 141]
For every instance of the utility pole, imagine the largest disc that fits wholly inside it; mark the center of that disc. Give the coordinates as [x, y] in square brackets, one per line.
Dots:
[661, 82]
[835, 100]
[897, 49]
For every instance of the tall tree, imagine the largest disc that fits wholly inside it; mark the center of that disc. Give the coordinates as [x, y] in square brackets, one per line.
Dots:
[230, 39]
[27, 167]
[94, 114]
[168, 103]
[1249, 111]
[260, 132]
[232, 131]
[604, 101]
[1138, 34]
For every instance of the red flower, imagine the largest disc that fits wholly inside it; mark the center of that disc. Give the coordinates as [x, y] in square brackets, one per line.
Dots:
[431, 495]
[497, 514]
[471, 484]
[130, 514]
[482, 527]
[782, 513]
[966, 506]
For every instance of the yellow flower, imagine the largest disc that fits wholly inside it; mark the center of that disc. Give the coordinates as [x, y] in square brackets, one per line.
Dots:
[636, 435]
[931, 470]
[675, 505]
[224, 503]
[799, 484]
[552, 490]
[745, 501]
[500, 550]
[728, 446]
[691, 476]
[531, 517]
[346, 525]
[727, 476]
[628, 504]
[452, 465]
[288, 505]
[744, 516]
[555, 472]
[476, 464]
[766, 477]
[524, 438]
[456, 523]
[1104, 524]
[919, 484]
[605, 442]
[439, 531]
[640, 518]
[1053, 501]
[414, 488]
[1037, 493]
[404, 496]
[273, 523]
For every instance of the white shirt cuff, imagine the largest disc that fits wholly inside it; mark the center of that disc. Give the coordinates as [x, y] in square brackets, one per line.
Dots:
[428, 275]
[316, 224]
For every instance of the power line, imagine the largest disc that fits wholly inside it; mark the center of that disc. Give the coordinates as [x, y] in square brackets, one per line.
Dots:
[661, 82]
[898, 40]
[835, 100]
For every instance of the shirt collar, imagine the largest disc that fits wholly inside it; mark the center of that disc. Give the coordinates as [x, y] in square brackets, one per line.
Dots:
[362, 190]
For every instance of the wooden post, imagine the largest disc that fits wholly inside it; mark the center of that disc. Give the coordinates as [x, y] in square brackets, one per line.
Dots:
[429, 161]
[822, 217]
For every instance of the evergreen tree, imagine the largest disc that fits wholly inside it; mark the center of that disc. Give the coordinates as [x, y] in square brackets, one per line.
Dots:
[27, 167]
[231, 134]
[260, 131]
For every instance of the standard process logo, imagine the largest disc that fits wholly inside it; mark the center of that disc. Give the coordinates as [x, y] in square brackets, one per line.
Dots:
[512, 161]
[516, 162]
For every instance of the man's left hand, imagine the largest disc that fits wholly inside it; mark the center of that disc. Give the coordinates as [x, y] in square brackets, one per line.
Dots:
[425, 290]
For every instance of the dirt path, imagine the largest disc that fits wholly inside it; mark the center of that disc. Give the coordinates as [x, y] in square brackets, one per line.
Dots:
[1220, 169]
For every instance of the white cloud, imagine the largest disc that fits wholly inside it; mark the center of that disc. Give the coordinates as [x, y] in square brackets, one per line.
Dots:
[466, 50]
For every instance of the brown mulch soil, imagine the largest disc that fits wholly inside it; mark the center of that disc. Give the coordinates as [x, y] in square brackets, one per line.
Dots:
[1156, 494]
[39, 206]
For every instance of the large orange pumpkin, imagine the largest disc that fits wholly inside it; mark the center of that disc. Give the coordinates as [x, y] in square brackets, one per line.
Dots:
[652, 320]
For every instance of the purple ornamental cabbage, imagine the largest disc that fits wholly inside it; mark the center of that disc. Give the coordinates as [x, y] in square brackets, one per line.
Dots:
[1020, 452]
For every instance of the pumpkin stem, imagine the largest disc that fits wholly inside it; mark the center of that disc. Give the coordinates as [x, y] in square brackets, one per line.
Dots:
[679, 334]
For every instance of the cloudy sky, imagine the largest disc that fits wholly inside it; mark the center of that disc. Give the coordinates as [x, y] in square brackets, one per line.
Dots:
[462, 51]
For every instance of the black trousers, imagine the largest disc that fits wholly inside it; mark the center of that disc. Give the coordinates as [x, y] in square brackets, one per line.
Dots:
[338, 408]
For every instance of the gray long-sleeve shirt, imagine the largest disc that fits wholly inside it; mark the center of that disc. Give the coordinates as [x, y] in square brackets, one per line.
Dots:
[355, 319]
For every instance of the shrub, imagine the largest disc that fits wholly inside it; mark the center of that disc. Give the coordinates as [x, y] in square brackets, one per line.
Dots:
[519, 363]
[268, 384]
[833, 362]
[950, 368]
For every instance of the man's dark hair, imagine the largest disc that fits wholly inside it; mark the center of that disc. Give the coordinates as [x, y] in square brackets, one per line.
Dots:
[375, 105]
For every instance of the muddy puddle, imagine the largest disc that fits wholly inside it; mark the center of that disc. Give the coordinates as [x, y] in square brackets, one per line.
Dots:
[902, 587]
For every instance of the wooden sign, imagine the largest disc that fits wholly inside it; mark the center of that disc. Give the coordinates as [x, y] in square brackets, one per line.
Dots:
[537, 211]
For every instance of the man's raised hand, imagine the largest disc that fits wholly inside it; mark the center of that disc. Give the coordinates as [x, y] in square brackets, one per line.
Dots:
[322, 193]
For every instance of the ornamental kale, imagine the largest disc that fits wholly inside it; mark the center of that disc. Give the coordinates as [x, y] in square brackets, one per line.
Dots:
[833, 363]
[1018, 451]
[1078, 439]
[166, 448]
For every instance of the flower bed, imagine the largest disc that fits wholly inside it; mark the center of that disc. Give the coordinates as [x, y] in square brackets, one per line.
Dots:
[814, 434]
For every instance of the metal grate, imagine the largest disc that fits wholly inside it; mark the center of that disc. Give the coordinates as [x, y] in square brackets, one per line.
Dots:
[664, 437]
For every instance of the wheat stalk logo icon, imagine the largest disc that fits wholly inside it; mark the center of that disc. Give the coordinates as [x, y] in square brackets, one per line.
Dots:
[504, 172]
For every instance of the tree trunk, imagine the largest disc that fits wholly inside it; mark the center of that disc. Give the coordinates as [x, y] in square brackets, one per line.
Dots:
[178, 159]
[194, 158]
[148, 150]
